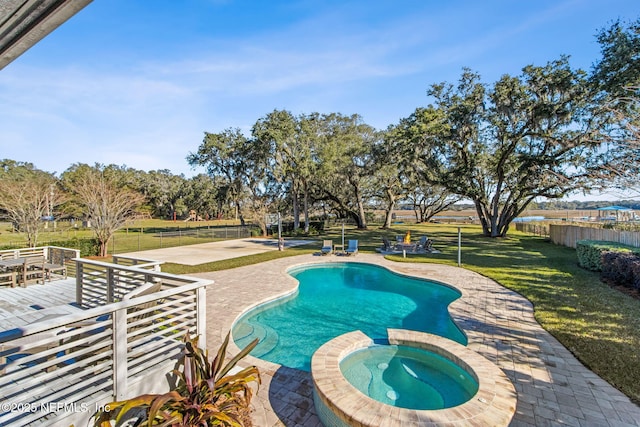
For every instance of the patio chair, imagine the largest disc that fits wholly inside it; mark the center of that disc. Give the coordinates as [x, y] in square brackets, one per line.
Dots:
[352, 248]
[8, 278]
[33, 270]
[50, 268]
[327, 247]
[425, 244]
[386, 245]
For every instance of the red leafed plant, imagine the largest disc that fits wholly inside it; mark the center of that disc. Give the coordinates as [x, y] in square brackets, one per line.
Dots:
[206, 394]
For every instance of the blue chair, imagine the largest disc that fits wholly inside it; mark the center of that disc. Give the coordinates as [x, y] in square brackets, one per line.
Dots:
[352, 248]
[327, 247]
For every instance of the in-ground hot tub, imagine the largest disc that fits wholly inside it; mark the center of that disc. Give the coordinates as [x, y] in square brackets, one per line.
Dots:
[408, 377]
[360, 383]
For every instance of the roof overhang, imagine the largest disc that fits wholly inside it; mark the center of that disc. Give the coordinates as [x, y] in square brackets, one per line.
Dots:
[23, 23]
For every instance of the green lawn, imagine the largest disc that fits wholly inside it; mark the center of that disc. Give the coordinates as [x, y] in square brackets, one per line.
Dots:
[600, 325]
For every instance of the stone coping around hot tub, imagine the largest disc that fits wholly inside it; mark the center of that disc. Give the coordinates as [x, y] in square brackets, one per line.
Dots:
[493, 405]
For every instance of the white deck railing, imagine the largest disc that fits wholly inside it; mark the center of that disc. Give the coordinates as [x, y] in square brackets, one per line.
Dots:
[99, 283]
[148, 264]
[60, 371]
[54, 254]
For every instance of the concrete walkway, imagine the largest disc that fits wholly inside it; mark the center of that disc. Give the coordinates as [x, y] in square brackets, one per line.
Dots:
[553, 387]
[202, 253]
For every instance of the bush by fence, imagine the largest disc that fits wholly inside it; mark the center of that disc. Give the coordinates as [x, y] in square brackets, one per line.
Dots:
[621, 268]
[590, 252]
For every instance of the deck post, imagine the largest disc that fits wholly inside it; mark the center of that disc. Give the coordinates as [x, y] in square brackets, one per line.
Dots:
[119, 342]
[110, 284]
[79, 283]
[201, 316]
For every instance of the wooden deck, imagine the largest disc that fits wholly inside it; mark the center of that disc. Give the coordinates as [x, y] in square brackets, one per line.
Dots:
[106, 351]
[21, 306]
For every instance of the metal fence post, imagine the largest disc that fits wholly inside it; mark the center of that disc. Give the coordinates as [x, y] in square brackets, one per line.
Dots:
[459, 247]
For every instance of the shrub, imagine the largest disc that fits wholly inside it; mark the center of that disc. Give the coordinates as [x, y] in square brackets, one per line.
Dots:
[87, 246]
[590, 252]
[207, 394]
[621, 268]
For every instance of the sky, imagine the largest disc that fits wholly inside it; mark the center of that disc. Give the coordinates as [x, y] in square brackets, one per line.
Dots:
[136, 83]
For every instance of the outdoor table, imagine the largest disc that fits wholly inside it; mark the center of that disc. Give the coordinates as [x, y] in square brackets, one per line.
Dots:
[407, 247]
[12, 266]
[11, 263]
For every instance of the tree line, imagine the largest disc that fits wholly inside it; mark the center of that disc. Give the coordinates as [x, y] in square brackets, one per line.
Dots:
[107, 196]
[542, 134]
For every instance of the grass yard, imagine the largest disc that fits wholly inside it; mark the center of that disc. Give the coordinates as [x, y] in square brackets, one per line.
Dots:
[600, 325]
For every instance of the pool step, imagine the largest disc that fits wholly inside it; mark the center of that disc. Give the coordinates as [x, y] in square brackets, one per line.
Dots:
[268, 342]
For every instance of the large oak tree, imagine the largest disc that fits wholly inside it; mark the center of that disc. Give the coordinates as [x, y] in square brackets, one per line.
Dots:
[529, 136]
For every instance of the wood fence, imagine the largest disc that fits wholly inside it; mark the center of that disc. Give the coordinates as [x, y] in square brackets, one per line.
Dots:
[569, 235]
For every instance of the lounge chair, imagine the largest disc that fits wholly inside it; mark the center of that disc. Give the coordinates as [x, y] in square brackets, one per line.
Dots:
[327, 247]
[352, 248]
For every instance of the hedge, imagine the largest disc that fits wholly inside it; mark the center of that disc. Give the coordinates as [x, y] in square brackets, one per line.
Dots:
[88, 246]
[621, 268]
[590, 252]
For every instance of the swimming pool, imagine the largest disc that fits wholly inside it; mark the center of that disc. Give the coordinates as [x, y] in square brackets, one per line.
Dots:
[336, 298]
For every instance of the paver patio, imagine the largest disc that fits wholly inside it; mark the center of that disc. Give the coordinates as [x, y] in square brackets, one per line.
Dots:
[553, 387]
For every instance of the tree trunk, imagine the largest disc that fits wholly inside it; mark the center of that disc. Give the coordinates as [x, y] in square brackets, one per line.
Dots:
[495, 220]
[485, 218]
[391, 203]
[296, 207]
[306, 207]
[103, 248]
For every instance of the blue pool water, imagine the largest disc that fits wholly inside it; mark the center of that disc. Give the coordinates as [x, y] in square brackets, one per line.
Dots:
[342, 297]
[408, 377]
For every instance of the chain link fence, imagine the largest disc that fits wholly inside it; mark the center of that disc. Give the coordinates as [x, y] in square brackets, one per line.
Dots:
[139, 239]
